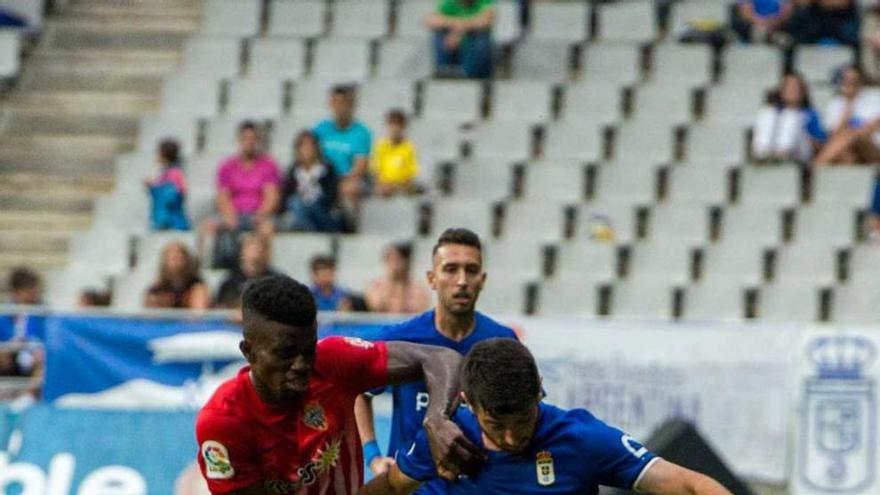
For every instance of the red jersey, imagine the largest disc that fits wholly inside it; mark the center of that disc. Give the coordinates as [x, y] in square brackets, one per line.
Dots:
[311, 448]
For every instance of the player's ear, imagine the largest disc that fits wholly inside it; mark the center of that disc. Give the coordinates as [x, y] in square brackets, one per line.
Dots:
[541, 393]
[464, 399]
[245, 347]
[431, 279]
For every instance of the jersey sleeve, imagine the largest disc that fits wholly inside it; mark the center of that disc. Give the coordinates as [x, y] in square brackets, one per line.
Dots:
[621, 459]
[358, 364]
[226, 459]
[416, 461]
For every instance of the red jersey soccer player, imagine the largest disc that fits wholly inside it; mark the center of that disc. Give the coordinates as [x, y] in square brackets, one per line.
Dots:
[285, 424]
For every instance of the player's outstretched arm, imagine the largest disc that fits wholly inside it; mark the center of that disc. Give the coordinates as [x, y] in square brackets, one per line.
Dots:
[453, 453]
[666, 478]
[394, 482]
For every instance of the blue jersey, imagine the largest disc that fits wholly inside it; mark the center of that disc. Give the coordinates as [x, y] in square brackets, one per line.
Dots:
[571, 453]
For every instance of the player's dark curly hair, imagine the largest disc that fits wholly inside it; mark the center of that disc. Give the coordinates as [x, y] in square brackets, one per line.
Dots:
[461, 236]
[500, 377]
[281, 299]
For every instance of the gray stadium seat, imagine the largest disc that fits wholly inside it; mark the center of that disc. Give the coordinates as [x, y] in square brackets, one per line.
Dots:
[212, 56]
[809, 264]
[830, 224]
[531, 220]
[818, 63]
[528, 101]
[397, 217]
[130, 170]
[862, 268]
[202, 169]
[718, 142]
[669, 260]
[404, 59]
[856, 304]
[361, 19]
[506, 28]
[587, 260]
[341, 59]
[129, 290]
[191, 95]
[794, 302]
[852, 186]
[699, 182]
[573, 140]
[687, 65]
[311, 97]
[359, 259]
[486, 180]
[759, 224]
[221, 134]
[596, 103]
[378, 97]
[626, 181]
[644, 141]
[710, 301]
[686, 223]
[612, 63]
[506, 140]
[642, 298]
[122, 211]
[778, 186]
[452, 100]
[285, 131]
[734, 103]
[521, 260]
[201, 201]
[475, 215]
[156, 127]
[569, 295]
[633, 20]
[559, 21]
[663, 103]
[751, 65]
[542, 60]
[63, 287]
[292, 253]
[732, 261]
[689, 12]
[411, 16]
[563, 182]
[103, 251]
[255, 97]
[149, 247]
[10, 53]
[438, 138]
[232, 17]
[503, 295]
[277, 58]
[617, 215]
[298, 18]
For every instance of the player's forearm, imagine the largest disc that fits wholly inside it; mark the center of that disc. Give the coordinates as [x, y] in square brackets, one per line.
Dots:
[704, 485]
[441, 378]
[363, 415]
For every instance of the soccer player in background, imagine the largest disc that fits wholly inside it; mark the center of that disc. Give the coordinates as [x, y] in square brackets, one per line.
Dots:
[285, 424]
[457, 277]
[535, 447]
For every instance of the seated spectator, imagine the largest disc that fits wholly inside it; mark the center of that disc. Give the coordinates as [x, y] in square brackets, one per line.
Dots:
[248, 187]
[874, 216]
[395, 165]
[253, 263]
[93, 298]
[463, 37]
[345, 143]
[397, 291]
[328, 295]
[853, 121]
[25, 287]
[788, 127]
[308, 196]
[826, 22]
[870, 37]
[759, 20]
[178, 284]
[168, 190]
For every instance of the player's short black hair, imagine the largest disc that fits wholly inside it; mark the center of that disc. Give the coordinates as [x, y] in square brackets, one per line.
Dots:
[322, 261]
[281, 299]
[458, 236]
[500, 377]
[23, 277]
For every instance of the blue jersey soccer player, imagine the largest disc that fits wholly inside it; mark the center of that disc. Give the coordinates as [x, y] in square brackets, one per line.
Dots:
[457, 277]
[535, 448]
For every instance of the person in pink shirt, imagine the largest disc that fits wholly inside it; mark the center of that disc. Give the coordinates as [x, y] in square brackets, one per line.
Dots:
[247, 187]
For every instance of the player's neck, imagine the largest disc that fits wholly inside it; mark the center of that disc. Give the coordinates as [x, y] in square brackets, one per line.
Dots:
[455, 327]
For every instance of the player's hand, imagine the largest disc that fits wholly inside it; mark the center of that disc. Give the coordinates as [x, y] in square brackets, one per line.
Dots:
[381, 464]
[453, 453]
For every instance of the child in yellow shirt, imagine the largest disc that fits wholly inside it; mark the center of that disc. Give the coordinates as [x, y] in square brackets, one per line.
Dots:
[394, 165]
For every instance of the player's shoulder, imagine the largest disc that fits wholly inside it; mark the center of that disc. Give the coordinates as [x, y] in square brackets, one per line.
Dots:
[419, 328]
[226, 409]
[580, 428]
[493, 328]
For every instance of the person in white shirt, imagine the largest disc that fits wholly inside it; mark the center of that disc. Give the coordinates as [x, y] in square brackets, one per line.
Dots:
[788, 127]
[853, 119]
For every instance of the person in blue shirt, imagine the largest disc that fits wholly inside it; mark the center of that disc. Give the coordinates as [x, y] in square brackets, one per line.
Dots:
[346, 143]
[457, 277]
[328, 296]
[534, 447]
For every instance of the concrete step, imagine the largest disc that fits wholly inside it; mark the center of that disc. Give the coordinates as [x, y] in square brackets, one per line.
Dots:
[83, 102]
[117, 8]
[45, 221]
[26, 183]
[62, 164]
[107, 61]
[10, 201]
[42, 262]
[76, 144]
[24, 241]
[29, 121]
[141, 34]
[52, 79]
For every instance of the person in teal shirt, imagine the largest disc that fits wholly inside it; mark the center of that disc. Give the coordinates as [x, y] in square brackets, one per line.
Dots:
[463, 37]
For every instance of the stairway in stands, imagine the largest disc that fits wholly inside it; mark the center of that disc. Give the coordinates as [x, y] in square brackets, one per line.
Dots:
[96, 68]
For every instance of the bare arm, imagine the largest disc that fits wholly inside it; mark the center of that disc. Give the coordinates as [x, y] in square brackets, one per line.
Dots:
[200, 299]
[479, 22]
[361, 166]
[224, 206]
[666, 478]
[363, 414]
[271, 199]
[394, 482]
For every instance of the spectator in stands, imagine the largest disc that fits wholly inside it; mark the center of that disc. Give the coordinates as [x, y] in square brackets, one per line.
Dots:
[25, 287]
[788, 127]
[309, 193]
[345, 143]
[248, 186]
[253, 263]
[759, 20]
[178, 284]
[328, 295]
[870, 37]
[93, 298]
[853, 122]
[827, 22]
[395, 165]
[168, 190]
[463, 37]
[397, 291]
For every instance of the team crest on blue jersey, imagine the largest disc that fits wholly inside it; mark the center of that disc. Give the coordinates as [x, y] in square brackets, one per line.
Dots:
[544, 466]
[313, 416]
